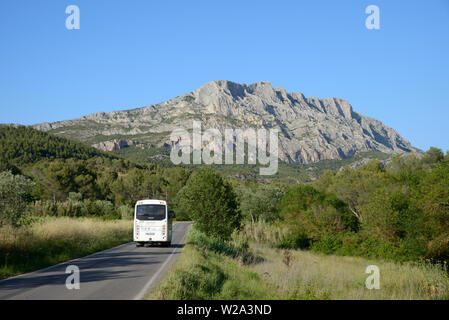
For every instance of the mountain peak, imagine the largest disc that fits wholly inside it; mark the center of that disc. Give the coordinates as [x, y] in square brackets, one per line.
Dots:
[310, 129]
[226, 83]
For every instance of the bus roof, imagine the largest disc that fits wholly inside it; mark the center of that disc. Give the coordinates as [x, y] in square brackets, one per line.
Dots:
[151, 201]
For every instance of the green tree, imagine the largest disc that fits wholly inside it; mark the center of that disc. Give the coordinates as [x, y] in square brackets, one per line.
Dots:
[260, 204]
[176, 179]
[432, 201]
[6, 166]
[433, 156]
[21, 145]
[104, 181]
[354, 186]
[311, 214]
[387, 214]
[139, 184]
[325, 181]
[212, 203]
[14, 195]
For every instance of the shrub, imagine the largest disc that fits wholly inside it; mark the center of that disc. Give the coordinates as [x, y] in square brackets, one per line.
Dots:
[14, 195]
[311, 214]
[75, 196]
[294, 240]
[238, 247]
[126, 213]
[260, 204]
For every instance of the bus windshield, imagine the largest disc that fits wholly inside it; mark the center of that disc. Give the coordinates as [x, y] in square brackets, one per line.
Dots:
[150, 212]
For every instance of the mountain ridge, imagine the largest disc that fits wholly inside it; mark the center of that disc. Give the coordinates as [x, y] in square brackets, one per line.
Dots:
[310, 129]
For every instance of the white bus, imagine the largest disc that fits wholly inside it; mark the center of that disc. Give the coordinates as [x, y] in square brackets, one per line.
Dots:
[153, 223]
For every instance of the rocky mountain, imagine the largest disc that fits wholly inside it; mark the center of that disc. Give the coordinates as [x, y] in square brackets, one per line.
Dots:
[310, 129]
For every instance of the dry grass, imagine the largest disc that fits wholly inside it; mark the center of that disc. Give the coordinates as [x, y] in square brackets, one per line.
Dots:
[53, 229]
[309, 275]
[53, 240]
[56, 228]
[265, 233]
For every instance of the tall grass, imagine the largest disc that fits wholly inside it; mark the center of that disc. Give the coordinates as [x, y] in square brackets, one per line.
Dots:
[265, 233]
[237, 248]
[48, 241]
[309, 275]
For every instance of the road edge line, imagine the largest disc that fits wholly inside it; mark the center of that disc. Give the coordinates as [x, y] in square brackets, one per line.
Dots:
[145, 289]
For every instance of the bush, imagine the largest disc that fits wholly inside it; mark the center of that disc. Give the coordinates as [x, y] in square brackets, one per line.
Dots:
[311, 214]
[260, 204]
[98, 208]
[87, 208]
[294, 241]
[238, 247]
[113, 215]
[328, 244]
[75, 196]
[126, 213]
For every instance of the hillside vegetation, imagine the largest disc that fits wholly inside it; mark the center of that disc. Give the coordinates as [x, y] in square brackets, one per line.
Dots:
[22, 145]
[288, 173]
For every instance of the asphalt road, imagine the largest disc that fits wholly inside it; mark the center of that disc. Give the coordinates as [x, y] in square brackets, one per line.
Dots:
[123, 272]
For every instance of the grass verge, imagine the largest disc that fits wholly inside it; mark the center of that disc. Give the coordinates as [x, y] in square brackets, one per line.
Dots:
[213, 269]
[210, 268]
[53, 240]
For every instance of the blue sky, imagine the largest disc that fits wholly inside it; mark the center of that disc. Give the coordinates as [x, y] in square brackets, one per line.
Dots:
[129, 54]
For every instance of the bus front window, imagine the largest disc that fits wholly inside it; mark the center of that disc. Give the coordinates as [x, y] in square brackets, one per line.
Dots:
[150, 212]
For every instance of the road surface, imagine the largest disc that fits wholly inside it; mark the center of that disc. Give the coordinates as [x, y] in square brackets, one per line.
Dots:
[123, 272]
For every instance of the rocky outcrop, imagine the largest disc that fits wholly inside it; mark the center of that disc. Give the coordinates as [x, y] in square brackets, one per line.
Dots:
[310, 129]
[115, 144]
